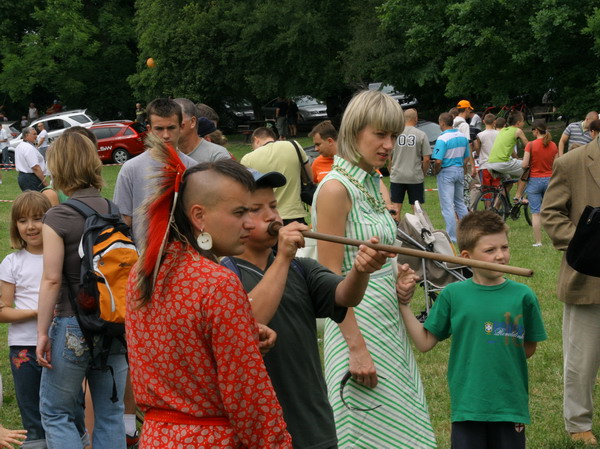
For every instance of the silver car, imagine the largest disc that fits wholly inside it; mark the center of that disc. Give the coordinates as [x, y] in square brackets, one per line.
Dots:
[56, 124]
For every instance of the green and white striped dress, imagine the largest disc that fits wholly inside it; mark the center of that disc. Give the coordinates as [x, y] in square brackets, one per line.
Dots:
[402, 421]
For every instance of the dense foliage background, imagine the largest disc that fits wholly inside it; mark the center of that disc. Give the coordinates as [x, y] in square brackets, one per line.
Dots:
[93, 53]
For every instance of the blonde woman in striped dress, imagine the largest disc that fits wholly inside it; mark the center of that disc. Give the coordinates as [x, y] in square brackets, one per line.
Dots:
[385, 404]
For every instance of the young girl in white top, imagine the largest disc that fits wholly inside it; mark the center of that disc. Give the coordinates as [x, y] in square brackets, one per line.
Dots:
[21, 273]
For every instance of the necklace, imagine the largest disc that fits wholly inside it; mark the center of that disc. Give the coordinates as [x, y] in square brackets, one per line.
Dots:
[376, 203]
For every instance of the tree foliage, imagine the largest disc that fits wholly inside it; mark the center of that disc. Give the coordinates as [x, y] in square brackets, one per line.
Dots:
[93, 53]
[493, 50]
[82, 52]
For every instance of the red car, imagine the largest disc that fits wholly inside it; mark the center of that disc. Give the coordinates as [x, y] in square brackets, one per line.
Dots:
[118, 141]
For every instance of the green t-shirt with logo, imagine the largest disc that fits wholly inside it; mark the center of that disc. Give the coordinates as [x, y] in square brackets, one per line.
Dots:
[487, 370]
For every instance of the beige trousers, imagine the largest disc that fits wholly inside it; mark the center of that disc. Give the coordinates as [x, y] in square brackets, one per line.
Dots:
[581, 352]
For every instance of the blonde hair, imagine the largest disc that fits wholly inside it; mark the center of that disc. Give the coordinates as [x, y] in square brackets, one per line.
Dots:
[368, 107]
[74, 163]
[26, 204]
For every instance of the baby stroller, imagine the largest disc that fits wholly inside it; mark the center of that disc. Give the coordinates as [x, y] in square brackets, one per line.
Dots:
[416, 232]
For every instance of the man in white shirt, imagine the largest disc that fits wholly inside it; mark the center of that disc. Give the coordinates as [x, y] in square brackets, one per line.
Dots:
[42, 139]
[460, 122]
[29, 163]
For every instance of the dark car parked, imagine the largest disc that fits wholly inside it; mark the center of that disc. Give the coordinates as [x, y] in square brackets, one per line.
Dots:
[118, 141]
[311, 110]
[235, 113]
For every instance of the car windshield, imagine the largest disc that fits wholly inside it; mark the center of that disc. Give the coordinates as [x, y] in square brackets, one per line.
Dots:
[386, 88]
[432, 130]
[307, 100]
[92, 117]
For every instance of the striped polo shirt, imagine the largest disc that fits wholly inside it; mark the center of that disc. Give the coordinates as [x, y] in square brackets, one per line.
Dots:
[577, 135]
[452, 147]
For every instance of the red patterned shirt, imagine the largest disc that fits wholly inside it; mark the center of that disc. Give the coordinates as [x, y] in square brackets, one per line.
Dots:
[193, 349]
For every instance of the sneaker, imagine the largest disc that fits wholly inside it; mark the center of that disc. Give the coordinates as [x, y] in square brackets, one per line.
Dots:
[585, 437]
[537, 245]
[132, 441]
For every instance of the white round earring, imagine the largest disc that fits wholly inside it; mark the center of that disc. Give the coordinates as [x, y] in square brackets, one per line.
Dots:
[204, 241]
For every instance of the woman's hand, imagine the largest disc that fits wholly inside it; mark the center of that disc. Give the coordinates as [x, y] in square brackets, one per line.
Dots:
[369, 260]
[43, 351]
[362, 367]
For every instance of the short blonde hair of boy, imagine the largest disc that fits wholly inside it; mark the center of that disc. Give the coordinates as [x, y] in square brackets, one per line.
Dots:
[27, 203]
[478, 224]
[74, 163]
[368, 107]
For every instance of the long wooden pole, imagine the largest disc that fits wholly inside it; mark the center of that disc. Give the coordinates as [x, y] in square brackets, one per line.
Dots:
[275, 226]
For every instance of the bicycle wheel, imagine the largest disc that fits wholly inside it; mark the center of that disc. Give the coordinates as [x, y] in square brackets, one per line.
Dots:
[529, 117]
[503, 113]
[484, 199]
[480, 202]
[497, 203]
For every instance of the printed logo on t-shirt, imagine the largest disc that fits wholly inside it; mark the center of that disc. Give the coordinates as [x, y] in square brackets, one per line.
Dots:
[510, 329]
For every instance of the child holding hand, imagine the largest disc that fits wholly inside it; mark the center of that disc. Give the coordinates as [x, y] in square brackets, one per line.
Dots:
[495, 325]
[21, 273]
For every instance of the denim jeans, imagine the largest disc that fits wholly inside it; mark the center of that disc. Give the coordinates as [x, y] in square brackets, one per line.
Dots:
[5, 157]
[450, 183]
[27, 374]
[536, 187]
[60, 394]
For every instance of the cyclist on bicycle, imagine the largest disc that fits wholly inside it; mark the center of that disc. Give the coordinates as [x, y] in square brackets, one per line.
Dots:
[503, 157]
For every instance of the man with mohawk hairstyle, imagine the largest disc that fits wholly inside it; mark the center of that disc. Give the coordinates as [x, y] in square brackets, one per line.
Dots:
[196, 367]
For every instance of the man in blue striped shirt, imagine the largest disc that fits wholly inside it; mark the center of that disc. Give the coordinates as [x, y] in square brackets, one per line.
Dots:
[451, 154]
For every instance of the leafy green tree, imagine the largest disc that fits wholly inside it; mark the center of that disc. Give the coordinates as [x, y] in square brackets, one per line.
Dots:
[80, 53]
[492, 50]
[212, 51]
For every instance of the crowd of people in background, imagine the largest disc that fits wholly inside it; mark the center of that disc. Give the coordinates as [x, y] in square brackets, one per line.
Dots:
[221, 312]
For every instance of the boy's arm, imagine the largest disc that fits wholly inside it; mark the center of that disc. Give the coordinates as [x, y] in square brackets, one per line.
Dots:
[521, 135]
[530, 347]
[422, 338]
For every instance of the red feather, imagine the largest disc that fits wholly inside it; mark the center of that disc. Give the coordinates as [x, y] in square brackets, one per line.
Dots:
[158, 207]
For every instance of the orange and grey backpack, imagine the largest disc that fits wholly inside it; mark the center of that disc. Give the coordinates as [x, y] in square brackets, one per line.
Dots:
[107, 255]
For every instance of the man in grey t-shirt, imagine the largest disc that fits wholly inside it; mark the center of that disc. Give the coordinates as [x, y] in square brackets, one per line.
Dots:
[135, 178]
[577, 134]
[190, 143]
[409, 163]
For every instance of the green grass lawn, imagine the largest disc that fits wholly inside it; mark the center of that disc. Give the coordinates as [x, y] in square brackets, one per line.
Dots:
[545, 367]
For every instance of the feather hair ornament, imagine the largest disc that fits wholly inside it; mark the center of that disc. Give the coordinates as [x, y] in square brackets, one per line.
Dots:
[158, 208]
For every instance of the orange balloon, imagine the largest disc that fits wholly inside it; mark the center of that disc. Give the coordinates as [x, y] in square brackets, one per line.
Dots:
[150, 62]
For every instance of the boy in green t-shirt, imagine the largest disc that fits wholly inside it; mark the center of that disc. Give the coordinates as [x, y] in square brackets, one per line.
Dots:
[495, 324]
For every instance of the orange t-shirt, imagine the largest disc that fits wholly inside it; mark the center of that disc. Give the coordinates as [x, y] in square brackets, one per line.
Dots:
[542, 158]
[320, 167]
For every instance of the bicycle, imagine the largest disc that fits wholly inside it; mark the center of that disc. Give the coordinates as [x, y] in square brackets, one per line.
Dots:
[518, 104]
[497, 199]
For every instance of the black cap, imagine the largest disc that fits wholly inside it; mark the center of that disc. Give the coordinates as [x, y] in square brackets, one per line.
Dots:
[205, 126]
[271, 179]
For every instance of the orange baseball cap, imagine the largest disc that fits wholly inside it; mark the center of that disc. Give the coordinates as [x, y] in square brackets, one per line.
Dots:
[463, 104]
